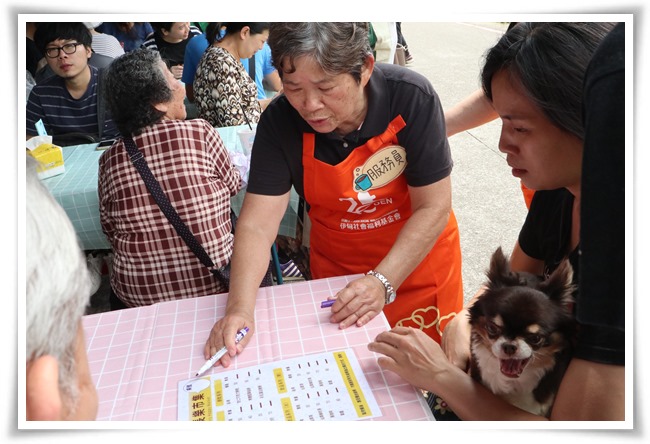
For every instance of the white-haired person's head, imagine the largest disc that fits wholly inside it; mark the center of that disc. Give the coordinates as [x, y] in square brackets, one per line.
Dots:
[58, 382]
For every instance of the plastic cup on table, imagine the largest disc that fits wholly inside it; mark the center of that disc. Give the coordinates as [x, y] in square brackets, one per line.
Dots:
[246, 139]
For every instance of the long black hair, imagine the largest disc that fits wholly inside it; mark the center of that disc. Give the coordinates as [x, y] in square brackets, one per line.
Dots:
[549, 60]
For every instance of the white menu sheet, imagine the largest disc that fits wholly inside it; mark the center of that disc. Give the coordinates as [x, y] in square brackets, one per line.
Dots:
[317, 387]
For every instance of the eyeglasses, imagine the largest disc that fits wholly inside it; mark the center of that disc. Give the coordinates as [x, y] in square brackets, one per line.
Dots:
[68, 48]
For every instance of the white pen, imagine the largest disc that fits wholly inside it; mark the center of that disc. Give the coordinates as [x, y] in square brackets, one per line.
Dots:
[218, 355]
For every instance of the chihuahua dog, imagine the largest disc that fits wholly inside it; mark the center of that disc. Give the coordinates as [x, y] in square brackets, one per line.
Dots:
[521, 334]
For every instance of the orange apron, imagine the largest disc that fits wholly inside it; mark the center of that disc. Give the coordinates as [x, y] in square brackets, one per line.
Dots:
[357, 208]
[528, 194]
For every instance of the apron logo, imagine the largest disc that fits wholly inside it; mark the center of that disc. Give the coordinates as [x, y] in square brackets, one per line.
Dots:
[380, 169]
[365, 207]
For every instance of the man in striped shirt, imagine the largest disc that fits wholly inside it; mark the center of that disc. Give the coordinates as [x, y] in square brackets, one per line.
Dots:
[68, 101]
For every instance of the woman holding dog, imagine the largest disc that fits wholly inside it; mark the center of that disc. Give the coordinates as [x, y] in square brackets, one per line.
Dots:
[534, 79]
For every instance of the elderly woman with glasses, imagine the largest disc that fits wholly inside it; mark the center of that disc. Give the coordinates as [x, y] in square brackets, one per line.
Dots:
[187, 157]
[364, 144]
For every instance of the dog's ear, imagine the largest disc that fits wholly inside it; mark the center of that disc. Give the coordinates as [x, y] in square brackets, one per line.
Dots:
[559, 285]
[499, 274]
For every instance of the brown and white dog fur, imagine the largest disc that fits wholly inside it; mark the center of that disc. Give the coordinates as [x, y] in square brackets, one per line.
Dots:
[521, 334]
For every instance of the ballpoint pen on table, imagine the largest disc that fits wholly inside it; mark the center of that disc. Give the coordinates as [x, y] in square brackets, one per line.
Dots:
[222, 351]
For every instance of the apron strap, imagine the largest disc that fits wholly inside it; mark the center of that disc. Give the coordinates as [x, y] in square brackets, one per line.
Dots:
[385, 138]
[388, 136]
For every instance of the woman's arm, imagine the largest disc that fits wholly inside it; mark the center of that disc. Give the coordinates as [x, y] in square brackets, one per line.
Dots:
[431, 208]
[474, 110]
[272, 81]
[591, 392]
[257, 228]
[264, 103]
[520, 261]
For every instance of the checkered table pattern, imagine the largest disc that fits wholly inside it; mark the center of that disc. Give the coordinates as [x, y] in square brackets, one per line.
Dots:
[76, 192]
[137, 356]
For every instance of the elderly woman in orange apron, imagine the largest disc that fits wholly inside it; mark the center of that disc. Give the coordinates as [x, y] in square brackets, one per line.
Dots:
[364, 144]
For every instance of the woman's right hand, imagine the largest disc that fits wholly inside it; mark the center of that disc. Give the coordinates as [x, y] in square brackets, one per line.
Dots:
[224, 332]
[412, 354]
[456, 340]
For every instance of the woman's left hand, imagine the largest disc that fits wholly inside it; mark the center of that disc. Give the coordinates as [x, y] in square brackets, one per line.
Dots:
[412, 354]
[359, 302]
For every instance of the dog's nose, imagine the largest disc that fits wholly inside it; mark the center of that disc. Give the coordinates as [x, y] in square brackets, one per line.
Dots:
[509, 349]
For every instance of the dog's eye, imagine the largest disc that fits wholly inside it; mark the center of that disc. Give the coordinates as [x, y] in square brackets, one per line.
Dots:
[493, 330]
[535, 340]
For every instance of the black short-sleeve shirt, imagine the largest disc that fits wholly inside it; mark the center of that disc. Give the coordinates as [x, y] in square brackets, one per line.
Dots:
[546, 236]
[276, 162]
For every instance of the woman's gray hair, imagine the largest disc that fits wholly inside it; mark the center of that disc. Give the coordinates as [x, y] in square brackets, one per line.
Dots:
[134, 83]
[57, 283]
[338, 47]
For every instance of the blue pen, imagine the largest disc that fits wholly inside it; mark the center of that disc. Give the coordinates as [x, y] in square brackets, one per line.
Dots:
[222, 351]
[326, 304]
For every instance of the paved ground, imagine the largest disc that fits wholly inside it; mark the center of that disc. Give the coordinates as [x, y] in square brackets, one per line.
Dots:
[487, 199]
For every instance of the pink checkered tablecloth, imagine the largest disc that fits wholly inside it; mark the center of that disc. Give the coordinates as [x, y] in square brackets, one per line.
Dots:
[137, 356]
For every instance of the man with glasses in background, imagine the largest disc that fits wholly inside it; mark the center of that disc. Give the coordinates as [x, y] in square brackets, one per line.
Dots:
[67, 102]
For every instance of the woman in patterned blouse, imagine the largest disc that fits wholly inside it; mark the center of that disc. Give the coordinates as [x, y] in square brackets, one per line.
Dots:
[225, 94]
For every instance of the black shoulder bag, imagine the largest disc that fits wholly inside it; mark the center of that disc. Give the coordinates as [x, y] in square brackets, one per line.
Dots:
[221, 274]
